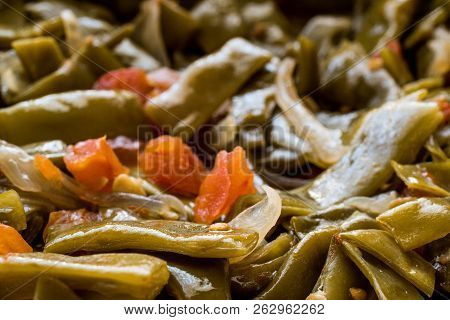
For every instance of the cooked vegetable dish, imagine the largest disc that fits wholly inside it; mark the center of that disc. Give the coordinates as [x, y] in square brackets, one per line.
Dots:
[225, 149]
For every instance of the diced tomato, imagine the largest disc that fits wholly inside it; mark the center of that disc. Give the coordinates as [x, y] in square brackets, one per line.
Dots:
[94, 164]
[47, 168]
[69, 218]
[11, 241]
[214, 191]
[161, 80]
[230, 178]
[241, 177]
[445, 108]
[171, 164]
[136, 80]
[130, 79]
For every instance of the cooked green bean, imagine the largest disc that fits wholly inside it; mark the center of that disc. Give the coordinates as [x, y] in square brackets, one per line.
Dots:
[296, 277]
[197, 89]
[119, 275]
[416, 223]
[58, 116]
[387, 284]
[392, 132]
[382, 246]
[11, 210]
[187, 238]
[432, 178]
[338, 275]
[198, 279]
[33, 52]
[53, 289]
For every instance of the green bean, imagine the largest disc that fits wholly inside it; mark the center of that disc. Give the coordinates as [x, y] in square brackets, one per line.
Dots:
[297, 276]
[51, 27]
[120, 275]
[383, 20]
[59, 116]
[195, 240]
[425, 27]
[381, 245]
[432, 178]
[198, 88]
[387, 284]
[198, 279]
[425, 83]
[48, 288]
[396, 66]
[40, 56]
[416, 223]
[392, 132]
[338, 275]
[11, 210]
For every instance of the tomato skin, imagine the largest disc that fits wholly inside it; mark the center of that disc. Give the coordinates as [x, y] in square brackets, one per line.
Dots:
[214, 191]
[130, 79]
[445, 108]
[94, 164]
[137, 81]
[47, 168]
[230, 178]
[241, 177]
[171, 164]
[11, 241]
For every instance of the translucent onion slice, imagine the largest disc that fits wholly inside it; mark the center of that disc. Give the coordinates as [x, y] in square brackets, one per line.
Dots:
[261, 217]
[326, 144]
[18, 167]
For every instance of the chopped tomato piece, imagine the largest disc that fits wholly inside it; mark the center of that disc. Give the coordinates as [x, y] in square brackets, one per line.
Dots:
[11, 241]
[241, 177]
[69, 218]
[171, 164]
[130, 79]
[445, 108]
[230, 178]
[47, 168]
[214, 191]
[161, 80]
[94, 164]
[136, 80]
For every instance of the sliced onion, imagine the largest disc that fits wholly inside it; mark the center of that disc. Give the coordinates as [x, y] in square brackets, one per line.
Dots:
[176, 205]
[18, 166]
[154, 207]
[326, 144]
[260, 218]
